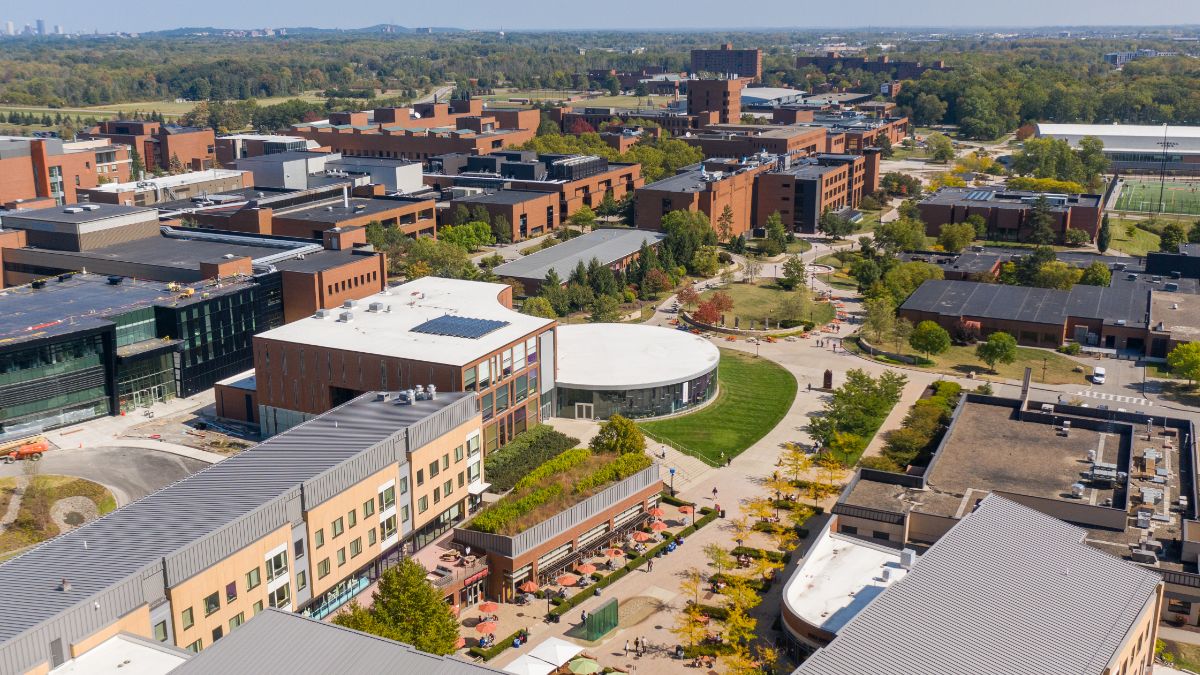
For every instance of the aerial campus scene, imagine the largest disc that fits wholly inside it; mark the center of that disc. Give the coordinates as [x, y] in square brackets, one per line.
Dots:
[552, 339]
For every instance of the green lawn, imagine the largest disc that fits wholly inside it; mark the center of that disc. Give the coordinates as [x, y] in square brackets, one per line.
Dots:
[1181, 655]
[754, 302]
[1177, 196]
[960, 360]
[1141, 243]
[755, 395]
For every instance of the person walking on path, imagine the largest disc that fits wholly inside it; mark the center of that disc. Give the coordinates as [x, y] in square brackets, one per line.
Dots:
[627, 649]
[714, 493]
[650, 564]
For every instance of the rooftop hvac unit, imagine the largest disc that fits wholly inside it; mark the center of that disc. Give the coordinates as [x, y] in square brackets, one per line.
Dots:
[72, 209]
[405, 397]
[114, 279]
[1077, 490]
[908, 558]
[323, 314]
[346, 317]
[349, 304]
[383, 396]
[1092, 455]
[90, 207]
[229, 256]
[886, 575]
[375, 307]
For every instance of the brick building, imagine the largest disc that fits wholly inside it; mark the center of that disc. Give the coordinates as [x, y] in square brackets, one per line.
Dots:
[900, 70]
[423, 131]
[1008, 212]
[720, 101]
[240, 146]
[578, 180]
[707, 188]
[740, 140]
[157, 143]
[456, 335]
[674, 122]
[49, 168]
[728, 61]
[167, 188]
[529, 213]
[802, 192]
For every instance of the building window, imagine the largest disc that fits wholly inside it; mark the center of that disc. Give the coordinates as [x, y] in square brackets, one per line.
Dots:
[433, 470]
[473, 446]
[237, 621]
[371, 536]
[323, 569]
[459, 453]
[422, 504]
[196, 646]
[387, 498]
[253, 578]
[462, 478]
[437, 495]
[338, 527]
[319, 537]
[368, 508]
[404, 514]
[212, 603]
[420, 477]
[277, 565]
[404, 485]
[258, 607]
[341, 556]
[301, 580]
[280, 597]
[160, 631]
[388, 528]
[352, 518]
[187, 619]
[298, 549]
[446, 461]
[356, 547]
[231, 591]
[448, 487]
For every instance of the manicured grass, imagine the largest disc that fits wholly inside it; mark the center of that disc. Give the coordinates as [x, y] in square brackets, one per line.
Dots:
[960, 360]
[1141, 243]
[1178, 196]
[33, 523]
[840, 277]
[754, 302]
[755, 395]
[870, 220]
[1182, 655]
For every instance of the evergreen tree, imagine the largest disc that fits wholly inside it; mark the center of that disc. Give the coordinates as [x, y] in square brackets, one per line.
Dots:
[1104, 236]
[136, 167]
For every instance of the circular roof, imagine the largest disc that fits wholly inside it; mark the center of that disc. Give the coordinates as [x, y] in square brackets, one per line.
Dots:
[630, 356]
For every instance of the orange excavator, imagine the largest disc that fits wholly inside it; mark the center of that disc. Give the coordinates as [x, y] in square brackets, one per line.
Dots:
[30, 448]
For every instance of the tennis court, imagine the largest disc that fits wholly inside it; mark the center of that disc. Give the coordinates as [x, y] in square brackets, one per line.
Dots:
[1179, 195]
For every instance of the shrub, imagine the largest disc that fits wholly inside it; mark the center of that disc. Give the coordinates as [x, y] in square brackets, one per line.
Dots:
[881, 464]
[500, 515]
[495, 650]
[947, 389]
[620, 468]
[1072, 348]
[564, 462]
[525, 452]
[749, 552]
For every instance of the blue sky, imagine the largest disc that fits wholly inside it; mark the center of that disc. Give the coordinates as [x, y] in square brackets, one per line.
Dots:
[85, 15]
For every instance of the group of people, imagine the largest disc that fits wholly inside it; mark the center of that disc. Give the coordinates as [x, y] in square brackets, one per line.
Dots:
[639, 646]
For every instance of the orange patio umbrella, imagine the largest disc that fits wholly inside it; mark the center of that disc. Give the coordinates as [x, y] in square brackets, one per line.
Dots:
[585, 568]
[613, 552]
[656, 512]
[486, 627]
[658, 526]
[488, 607]
[460, 643]
[567, 580]
[642, 536]
[686, 509]
[528, 587]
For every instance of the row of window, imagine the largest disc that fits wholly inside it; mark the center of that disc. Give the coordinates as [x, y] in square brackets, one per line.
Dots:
[494, 369]
[352, 282]
[494, 403]
[276, 566]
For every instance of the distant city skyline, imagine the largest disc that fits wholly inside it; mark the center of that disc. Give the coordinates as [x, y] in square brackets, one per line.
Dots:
[547, 15]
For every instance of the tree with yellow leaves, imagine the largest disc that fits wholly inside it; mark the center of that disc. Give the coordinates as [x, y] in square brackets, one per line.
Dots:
[795, 462]
[689, 626]
[692, 584]
[760, 508]
[718, 556]
[765, 568]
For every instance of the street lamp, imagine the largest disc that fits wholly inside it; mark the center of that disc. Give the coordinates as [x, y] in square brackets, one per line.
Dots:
[672, 470]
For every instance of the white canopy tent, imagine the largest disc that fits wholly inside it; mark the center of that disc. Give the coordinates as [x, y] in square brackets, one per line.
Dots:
[528, 665]
[556, 651]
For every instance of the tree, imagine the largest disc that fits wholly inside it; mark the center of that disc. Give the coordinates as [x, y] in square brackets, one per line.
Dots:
[690, 626]
[407, 608]
[794, 273]
[721, 301]
[834, 225]
[687, 296]
[903, 234]
[539, 306]
[725, 225]
[999, 348]
[1057, 274]
[174, 165]
[977, 221]
[439, 258]
[928, 109]
[1075, 237]
[1042, 221]
[795, 462]
[136, 166]
[705, 262]
[470, 236]
[881, 317]
[929, 338]
[901, 332]
[501, 229]
[954, 237]
[1104, 236]
[655, 282]
[1096, 274]
[718, 557]
[605, 309]
[1184, 361]
[751, 269]
[776, 233]
[1171, 237]
[584, 218]
[619, 436]
[707, 313]
[608, 205]
[940, 147]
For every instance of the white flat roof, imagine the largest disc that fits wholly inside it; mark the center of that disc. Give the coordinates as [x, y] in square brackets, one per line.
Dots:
[389, 333]
[610, 356]
[1127, 137]
[770, 93]
[124, 655]
[170, 181]
[838, 578]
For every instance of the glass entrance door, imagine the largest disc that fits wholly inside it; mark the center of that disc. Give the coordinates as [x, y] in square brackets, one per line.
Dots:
[583, 411]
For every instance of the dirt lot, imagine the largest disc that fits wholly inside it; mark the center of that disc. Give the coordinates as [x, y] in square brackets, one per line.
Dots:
[197, 430]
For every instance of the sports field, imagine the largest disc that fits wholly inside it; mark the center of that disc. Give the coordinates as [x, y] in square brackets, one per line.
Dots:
[1142, 195]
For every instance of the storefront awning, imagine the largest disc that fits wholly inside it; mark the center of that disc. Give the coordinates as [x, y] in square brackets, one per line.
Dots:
[477, 489]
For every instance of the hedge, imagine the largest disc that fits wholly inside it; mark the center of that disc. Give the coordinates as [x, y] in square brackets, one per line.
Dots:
[773, 556]
[708, 649]
[755, 583]
[619, 469]
[563, 462]
[570, 603]
[497, 516]
[771, 528]
[528, 450]
[666, 498]
[494, 651]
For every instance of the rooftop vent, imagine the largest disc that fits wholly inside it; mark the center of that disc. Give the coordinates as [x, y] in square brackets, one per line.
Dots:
[115, 279]
[375, 307]
[908, 558]
[323, 314]
[229, 256]
[73, 209]
[350, 304]
[346, 317]
[90, 207]
[40, 283]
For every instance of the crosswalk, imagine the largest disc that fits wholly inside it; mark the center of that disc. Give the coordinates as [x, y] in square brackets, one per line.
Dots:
[1117, 398]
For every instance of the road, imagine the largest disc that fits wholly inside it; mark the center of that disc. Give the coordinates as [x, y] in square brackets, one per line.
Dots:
[441, 94]
[129, 473]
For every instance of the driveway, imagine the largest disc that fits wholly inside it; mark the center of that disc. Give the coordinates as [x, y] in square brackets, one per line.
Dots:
[130, 473]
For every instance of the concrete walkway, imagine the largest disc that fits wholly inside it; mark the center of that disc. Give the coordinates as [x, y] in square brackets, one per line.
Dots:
[1168, 632]
[894, 420]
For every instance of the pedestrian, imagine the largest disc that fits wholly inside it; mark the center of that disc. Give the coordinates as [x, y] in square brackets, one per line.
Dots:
[583, 616]
[627, 649]
[650, 564]
[714, 492]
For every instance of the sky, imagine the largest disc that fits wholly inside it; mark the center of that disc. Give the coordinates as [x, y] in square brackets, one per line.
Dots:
[136, 16]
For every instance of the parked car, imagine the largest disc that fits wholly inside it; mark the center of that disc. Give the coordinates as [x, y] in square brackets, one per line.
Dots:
[1098, 375]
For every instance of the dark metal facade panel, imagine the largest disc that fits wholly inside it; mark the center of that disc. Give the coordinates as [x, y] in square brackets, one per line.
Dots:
[435, 426]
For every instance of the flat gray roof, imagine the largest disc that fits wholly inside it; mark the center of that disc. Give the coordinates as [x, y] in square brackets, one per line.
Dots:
[76, 214]
[506, 197]
[157, 526]
[1128, 301]
[282, 643]
[1007, 590]
[606, 245]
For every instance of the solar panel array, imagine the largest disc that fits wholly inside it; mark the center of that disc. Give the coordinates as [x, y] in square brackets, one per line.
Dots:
[980, 195]
[460, 326]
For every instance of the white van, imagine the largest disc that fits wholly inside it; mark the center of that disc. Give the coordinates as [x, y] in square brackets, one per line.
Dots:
[1098, 375]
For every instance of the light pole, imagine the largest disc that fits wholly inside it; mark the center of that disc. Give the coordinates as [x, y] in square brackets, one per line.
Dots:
[1162, 178]
[672, 470]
